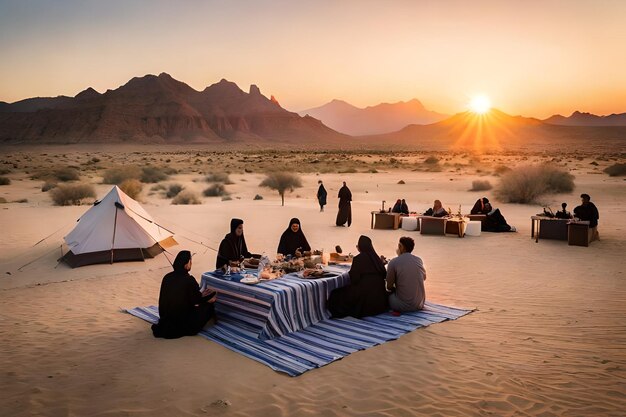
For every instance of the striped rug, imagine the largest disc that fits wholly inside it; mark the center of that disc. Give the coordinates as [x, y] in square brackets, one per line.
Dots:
[319, 344]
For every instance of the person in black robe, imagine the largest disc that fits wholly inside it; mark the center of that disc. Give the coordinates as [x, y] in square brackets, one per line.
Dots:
[404, 208]
[366, 294]
[345, 208]
[183, 309]
[233, 247]
[293, 240]
[321, 195]
[397, 207]
[587, 211]
[495, 221]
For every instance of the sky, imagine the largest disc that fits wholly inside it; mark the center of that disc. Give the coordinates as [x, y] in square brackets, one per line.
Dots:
[534, 58]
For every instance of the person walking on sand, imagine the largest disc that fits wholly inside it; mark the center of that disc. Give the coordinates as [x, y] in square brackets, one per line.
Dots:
[345, 208]
[321, 195]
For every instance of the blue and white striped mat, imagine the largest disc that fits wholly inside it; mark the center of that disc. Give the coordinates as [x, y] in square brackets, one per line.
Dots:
[319, 344]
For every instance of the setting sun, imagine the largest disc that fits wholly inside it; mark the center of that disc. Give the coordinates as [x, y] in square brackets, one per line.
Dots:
[480, 104]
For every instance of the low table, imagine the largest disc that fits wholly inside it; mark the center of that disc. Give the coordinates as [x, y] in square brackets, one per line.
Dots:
[275, 307]
[442, 225]
[385, 220]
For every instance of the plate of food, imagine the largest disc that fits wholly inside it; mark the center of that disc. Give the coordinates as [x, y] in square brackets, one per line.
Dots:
[249, 280]
[315, 273]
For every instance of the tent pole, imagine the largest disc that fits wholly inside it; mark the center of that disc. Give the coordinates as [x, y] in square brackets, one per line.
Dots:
[114, 229]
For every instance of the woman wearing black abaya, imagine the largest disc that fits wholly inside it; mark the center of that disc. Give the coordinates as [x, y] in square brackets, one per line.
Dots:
[345, 208]
[183, 309]
[233, 247]
[366, 294]
[495, 221]
[321, 195]
[293, 240]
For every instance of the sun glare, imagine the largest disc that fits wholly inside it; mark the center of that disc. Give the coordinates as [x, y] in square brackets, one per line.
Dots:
[480, 104]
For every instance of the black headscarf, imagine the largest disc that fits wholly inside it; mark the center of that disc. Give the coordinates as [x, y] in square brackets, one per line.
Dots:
[291, 241]
[232, 247]
[182, 259]
[366, 248]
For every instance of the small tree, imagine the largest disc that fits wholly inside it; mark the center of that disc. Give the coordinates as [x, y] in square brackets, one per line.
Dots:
[281, 182]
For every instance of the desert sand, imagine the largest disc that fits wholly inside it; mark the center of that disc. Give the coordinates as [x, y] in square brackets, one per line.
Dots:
[548, 337]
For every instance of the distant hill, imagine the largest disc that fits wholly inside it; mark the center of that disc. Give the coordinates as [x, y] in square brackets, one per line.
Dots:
[382, 118]
[587, 119]
[156, 109]
[496, 131]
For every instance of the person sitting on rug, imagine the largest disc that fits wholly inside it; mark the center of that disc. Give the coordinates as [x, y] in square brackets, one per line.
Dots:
[437, 210]
[293, 242]
[405, 279]
[233, 248]
[365, 296]
[183, 309]
[495, 221]
[397, 208]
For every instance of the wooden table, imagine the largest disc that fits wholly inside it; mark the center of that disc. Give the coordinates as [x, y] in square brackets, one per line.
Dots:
[449, 225]
[386, 220]
[535, 227]
[275, 307]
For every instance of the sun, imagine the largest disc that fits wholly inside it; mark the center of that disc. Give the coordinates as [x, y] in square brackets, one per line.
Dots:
[480, 104]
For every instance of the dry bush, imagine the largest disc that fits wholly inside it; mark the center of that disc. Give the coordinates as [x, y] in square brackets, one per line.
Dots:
[5, 181]
[481, 185]
[219, 177]
[501, 169]
[174, 190]
[215, 190]
[281, 182]
[72, 194]
[431, 160]
[186, 197]
[258, 197]
[119, 175]
[527, 183]
[67, 174]
[152, 174]
[132, 188]
[48, 185]
[4, 171]
[158, 187]
[616, 170]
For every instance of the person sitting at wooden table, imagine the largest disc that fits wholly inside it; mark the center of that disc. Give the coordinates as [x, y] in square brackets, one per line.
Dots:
[437, 210]
[233, 248]
[365, 296]
[495, 221]
[293, 242]
[397, 208]
[183, 309]
[588, 211]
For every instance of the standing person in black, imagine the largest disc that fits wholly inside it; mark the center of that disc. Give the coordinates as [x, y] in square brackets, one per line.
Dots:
[345, 207]
[183, 309]
[366, 294]
[233, 247]
[587, 211]
[293, 242]
[321, 195]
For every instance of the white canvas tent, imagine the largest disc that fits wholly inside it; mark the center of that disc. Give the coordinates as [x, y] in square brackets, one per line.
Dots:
[115, 229]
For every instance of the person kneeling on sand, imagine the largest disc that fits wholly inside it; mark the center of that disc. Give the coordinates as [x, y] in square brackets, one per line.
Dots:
[183, 309]
[405, 279]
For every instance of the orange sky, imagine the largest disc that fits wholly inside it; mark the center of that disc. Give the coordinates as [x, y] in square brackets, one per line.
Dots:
[534, 58]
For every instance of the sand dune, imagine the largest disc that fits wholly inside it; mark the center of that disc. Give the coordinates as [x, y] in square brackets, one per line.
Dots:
[548, 338]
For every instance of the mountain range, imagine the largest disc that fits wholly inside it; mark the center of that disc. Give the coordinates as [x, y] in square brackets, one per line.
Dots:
[382, 118]
[156, 109]
[587, 119]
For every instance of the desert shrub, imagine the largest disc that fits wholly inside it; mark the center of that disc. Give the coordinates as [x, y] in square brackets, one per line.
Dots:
[66, 174]
[71, 194]
[227, 198]
[174, 190]
[158, 187]
[119, 175]
[186, 197]
[215, 190]
[131, 187]
[501, 169]
[258, 197]
[48, 185]
[5, 181]
[95, 160]
[616, 170]
[21, 200]
[152, 174]
[527, 183]
[281, 182]
[219, 177]
[481, 185]
[431, 160]
[4, 171]
[401, 182]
